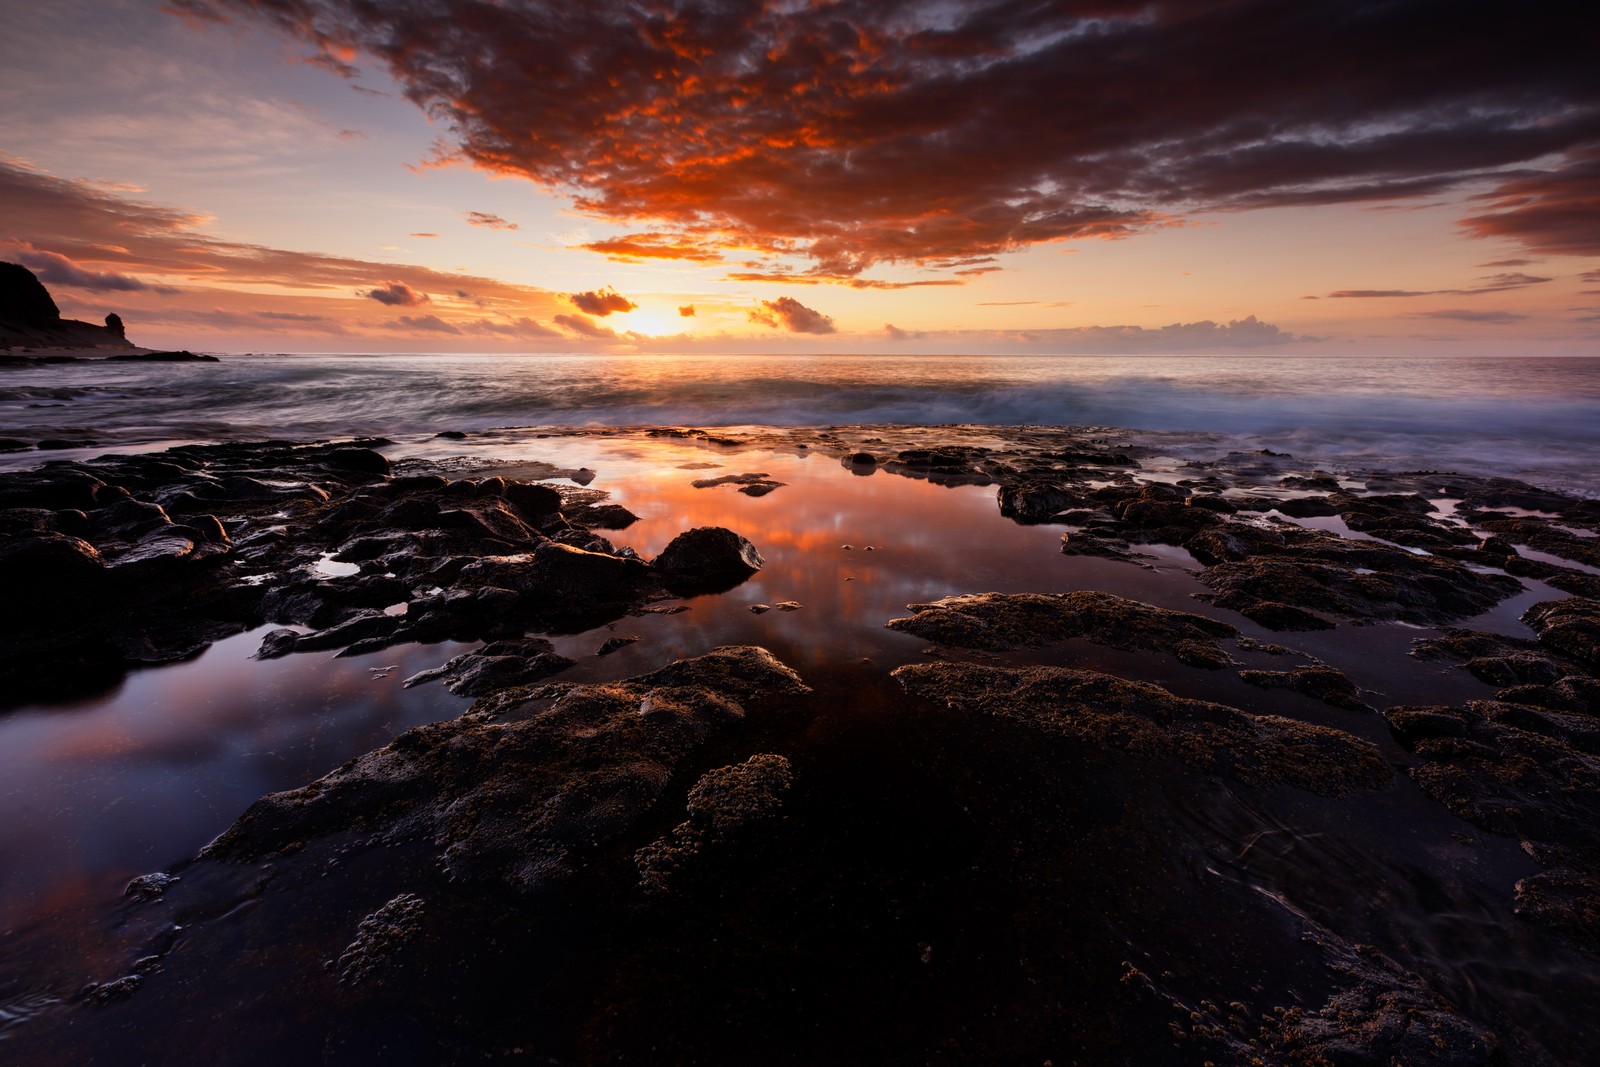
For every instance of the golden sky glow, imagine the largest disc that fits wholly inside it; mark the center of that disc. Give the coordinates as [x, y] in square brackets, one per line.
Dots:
[967, 177]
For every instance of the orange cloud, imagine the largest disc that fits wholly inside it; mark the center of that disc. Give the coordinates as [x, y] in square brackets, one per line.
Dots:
[487, 220]
[602, 303]
[792, 315]
[398, 294]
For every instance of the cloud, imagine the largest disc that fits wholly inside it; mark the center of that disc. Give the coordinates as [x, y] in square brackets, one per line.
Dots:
[488, 221]
[53, 268]
[92, 225]
[586, 328]
[895, 333]
[1494, 283]
[686, 310]
[865, 131]
[422, 235]
[1555, 212]
[603, 302]
[637, 246]
[822, 277]
[1508, 263]
[427, 323]
[397, 294]
[793, 316]
[1492, 318]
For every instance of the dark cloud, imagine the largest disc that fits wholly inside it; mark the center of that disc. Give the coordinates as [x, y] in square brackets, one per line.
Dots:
[686, 310]
[1590, 275]
[92, 225]
[290, 316]
[1492, 318]
[865, 131]
[52, 268]
[586, 328]
[428, 324]
[603, 302]
[1494, 283]
[488, 221]
[792, 315]
[1508, 263]
[1556, 212]
[397, 294]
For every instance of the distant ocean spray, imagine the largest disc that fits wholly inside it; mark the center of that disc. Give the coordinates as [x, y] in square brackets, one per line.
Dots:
[1529, 417]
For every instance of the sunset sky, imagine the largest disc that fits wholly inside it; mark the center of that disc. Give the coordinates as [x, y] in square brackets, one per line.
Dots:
[1099, 176]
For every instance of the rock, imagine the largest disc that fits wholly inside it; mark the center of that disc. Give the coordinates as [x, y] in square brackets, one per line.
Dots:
[379, 938]
[722, 803]
[1570, 627]
[114, 325]
[709, 557]
[1319, 683]
[749, 484]
[497, 665]
[611, 645]
[358, 461]
[183, 356]
[1001, 621]
[1150, 723]
[603, 516]
[521, 804]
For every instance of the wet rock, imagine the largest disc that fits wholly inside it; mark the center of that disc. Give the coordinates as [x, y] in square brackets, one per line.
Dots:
[707, 556]
[862, 459]
[1525, 772]
[276, 643]
[149, 886]
[1001, 621]
[603, 516]
[522, 803]
[497, 665]
[1150, 723]
[1565, 901]
[721, 804]
[1360, 581]
[749, 484]
[379, 939]
[1088, 543]
[1041, 501]
[1570, 627]
[612, 644]
[1318, 683]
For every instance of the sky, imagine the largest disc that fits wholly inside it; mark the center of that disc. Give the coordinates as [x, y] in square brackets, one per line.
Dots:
[940, 176]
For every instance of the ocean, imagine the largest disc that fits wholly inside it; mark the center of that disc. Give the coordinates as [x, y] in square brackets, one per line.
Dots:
[1535, 418]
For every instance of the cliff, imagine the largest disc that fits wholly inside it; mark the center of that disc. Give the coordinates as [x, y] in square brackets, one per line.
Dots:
[29, 318]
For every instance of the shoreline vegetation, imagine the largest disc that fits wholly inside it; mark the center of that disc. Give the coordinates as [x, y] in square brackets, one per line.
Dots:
[1023, 847]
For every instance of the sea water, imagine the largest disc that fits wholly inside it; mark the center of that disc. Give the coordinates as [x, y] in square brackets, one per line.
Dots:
[1536, 418]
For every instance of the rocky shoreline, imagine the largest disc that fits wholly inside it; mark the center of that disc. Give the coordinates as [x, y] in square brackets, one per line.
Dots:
[991, 857]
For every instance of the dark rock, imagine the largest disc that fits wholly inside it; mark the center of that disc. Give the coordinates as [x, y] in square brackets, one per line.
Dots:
[720, 805]
[612, 644]
[358, 461]
[603, 516]
[707, 556]
[24, 298]
[114, 325]
[1565, 901]
[279, 642]
[523, 803]
[1000, 621]
[1319, 683]
[1152, 724]
[1570, 627]
[532, 500]
[862, 459]
[498, 665]
[164, 357]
